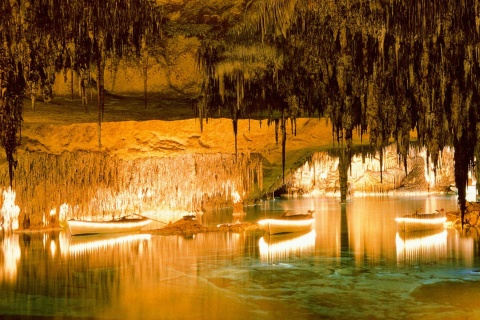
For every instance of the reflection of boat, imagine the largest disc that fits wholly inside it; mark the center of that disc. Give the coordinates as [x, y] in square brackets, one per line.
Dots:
[414, 247]
[79, 227]
[280, 246]
[75, 245]
[288, 223]
[421, 222]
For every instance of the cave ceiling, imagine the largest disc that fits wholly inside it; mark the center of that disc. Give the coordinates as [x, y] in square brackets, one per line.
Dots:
[382, 67]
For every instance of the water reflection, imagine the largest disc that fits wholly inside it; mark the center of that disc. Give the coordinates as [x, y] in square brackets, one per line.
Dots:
[463, 247]
[281, 247]
[330, 227]
[421, 247]
[78, 245]
[354, 253]
[11, 255]
[372, 228]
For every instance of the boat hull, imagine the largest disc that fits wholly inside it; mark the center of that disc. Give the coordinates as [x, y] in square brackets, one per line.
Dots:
[277, 226]
[420, 222]
[82, 227]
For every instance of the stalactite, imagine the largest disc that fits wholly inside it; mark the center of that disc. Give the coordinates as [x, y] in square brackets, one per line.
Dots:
[276, 130]
[235, 132]
[461, 176]
[283, 129]
[343, 165]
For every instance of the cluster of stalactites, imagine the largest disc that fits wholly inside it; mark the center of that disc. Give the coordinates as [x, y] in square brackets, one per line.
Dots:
[97, 185]
[384, 67]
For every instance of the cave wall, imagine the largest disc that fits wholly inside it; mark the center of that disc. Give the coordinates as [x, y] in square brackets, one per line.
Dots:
[95, 185]
[319, 176]
[173, 70]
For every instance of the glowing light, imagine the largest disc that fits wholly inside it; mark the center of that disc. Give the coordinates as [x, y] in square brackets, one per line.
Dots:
[9, 210]
[149, 193]
[236, 197]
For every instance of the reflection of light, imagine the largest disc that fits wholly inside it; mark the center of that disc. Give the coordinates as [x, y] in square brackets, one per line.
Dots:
[64, 240]
[53, 248]
[421, 246]
[11, 254]
[83, 244]
[280, 247]
[461, 248]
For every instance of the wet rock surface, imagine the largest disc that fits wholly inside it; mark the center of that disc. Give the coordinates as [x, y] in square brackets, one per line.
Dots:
[471, 218]
[190, 226]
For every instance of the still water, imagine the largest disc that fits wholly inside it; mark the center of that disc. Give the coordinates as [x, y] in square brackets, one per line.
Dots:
[353, 265]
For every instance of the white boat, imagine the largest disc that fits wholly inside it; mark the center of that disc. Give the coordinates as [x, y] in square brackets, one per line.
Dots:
[79, 227]
[288, 223]
[421, 222]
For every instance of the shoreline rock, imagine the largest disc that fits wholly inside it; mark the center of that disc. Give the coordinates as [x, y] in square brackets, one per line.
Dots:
[471, 218]
[191, 226]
